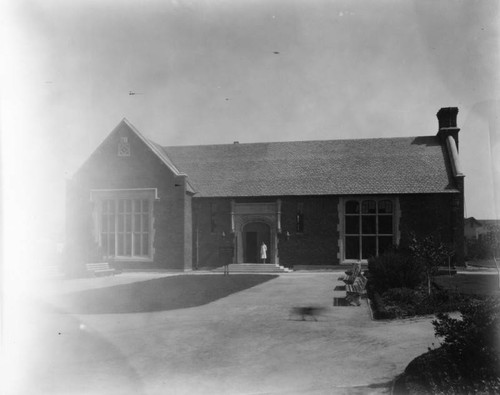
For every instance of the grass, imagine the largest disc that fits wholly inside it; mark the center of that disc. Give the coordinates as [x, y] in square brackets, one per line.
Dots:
[471, 284]
[490, 263]
[168, 293]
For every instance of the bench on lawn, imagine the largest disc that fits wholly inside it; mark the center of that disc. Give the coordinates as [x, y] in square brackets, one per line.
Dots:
[356, 289]
[100, 269]
[351, 275]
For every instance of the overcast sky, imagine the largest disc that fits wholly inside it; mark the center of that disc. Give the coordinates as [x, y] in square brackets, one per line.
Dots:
[224, 70]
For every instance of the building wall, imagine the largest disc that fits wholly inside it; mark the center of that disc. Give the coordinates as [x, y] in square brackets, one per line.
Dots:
[425, 214]
[421, 214]
[208, 242]
[440, 214]
[316, 245]
[458, 207]
[79, 247]
[188, 232]
[142, 169]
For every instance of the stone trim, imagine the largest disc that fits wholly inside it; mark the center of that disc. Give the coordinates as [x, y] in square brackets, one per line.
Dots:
[245, 213]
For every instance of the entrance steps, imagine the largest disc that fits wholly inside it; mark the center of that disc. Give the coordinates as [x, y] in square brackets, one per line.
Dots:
[254, 268]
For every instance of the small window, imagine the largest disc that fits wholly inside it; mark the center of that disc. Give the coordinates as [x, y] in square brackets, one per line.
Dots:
[300, 218]
[123, 147]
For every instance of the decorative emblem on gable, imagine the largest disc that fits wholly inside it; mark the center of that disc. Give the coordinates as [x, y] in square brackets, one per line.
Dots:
[123, 147]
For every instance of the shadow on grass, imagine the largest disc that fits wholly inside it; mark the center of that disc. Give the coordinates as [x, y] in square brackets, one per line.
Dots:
[167, 293]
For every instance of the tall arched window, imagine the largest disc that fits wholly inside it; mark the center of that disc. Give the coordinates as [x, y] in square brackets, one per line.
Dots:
[368, 227]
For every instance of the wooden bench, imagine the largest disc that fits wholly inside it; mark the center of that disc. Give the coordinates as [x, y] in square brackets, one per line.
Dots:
[100, 269]
[356, 289]
[352, 274]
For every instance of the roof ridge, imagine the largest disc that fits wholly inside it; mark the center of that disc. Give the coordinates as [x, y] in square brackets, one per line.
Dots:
[295, 141]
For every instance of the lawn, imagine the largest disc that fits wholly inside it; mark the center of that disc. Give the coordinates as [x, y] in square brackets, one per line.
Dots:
[167, 293]
[471, 284]
[490, 263]
[244, 343]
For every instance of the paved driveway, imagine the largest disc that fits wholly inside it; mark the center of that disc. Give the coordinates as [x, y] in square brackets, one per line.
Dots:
[245, 343]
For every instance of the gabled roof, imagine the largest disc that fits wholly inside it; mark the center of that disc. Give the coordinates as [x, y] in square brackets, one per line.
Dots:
[158, 151]
[332, 167]
[473, 222]
[153, 147]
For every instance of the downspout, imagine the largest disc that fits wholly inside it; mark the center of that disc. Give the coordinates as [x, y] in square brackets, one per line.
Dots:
[458, 204]
[186, 251]
[197, 213]
[233, 234]
[454, 158]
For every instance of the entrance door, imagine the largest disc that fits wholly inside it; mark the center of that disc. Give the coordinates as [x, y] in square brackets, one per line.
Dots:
[254, 234]
[251, 250]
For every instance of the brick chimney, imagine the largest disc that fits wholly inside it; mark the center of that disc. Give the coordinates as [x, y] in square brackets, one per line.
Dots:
[448, 136]
[447, 117]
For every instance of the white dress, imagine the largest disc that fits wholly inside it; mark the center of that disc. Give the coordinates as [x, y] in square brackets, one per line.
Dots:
[263, 251]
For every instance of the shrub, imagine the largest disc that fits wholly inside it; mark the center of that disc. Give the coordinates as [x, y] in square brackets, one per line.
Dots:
[439, 301]
[486, 247]
[405, 302]
[473, 340]
[401, 295]
[378, 307]
[467, 361]
[476, 249]
[395, 269]
[431, 253]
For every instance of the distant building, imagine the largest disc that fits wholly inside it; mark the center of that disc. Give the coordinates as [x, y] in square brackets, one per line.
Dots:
[472, 228]
[137, 204]
[476, 228]
[479, 237]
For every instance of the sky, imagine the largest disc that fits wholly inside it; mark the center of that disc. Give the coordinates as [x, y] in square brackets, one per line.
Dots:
[218, 71]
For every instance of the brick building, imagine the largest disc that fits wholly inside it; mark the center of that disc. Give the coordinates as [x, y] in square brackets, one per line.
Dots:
[137, 204]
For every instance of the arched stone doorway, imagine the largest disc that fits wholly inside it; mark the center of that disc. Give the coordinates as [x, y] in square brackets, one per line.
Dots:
[253, 234]
[253, 223]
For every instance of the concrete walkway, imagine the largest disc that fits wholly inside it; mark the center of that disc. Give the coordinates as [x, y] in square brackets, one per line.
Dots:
[245, 343]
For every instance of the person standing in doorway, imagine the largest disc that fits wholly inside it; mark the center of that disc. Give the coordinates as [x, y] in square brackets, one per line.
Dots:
[263, 252]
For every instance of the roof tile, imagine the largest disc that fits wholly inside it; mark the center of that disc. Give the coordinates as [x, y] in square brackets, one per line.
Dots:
[338, 167]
